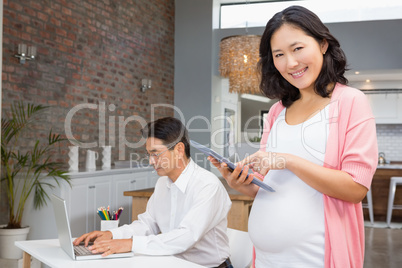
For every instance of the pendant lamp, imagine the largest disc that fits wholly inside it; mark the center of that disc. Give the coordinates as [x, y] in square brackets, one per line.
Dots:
[239, 56]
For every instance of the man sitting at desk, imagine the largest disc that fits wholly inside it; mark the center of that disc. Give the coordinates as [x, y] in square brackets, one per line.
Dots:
[187, 214]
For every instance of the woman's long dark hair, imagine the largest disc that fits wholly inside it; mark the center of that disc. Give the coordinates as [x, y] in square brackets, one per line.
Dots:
[273, 85]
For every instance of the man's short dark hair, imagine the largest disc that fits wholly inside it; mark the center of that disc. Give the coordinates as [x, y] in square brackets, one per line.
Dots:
[170, 131]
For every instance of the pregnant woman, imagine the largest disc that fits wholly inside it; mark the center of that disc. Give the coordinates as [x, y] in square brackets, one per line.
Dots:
[318, 151]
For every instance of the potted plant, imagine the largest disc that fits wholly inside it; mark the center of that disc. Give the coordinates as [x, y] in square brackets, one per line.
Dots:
[25, 170]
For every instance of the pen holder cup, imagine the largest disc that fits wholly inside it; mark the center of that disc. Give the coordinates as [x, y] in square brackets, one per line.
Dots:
[107, 225]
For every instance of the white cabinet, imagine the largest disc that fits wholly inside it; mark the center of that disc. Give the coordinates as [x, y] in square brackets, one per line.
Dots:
[88, 194]
[89, 191]
[83, 200]
[77, 207]
[127, 182]
[387, 108]
[100, 193]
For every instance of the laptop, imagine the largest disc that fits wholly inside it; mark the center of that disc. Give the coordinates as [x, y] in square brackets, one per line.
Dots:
[64, 231]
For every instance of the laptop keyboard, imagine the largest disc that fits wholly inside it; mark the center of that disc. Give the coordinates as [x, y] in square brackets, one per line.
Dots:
[82, 251]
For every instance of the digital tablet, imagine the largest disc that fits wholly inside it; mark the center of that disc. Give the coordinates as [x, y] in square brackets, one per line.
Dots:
[208, 151]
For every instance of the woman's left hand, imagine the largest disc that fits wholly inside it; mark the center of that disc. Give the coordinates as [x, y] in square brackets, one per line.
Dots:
[112, 246]
[262, 162]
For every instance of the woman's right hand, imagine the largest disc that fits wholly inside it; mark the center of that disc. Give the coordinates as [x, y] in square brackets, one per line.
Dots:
[237, 179]
[93, 236]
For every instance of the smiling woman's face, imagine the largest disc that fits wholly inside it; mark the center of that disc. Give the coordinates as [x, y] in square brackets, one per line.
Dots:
[297, 56]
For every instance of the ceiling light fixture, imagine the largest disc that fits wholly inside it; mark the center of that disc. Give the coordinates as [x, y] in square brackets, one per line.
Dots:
[239, 56]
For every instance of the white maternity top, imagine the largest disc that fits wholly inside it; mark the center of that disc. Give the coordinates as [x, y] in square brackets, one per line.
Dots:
[287, 226]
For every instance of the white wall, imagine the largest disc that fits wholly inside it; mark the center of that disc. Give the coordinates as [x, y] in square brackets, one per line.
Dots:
[389, 138]
[193, 61]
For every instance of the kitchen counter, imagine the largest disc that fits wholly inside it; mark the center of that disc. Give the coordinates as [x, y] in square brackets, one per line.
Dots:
[114, 170]
[390, 166]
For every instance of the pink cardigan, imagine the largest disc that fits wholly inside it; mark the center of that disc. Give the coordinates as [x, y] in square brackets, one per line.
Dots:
[351, 147]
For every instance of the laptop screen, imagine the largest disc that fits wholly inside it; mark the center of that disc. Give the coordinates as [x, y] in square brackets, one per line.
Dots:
[63, 225]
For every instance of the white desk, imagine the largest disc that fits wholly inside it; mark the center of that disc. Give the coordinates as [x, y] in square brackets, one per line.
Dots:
[50, 253]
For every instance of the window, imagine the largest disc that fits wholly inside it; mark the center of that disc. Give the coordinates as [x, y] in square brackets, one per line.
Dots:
[330, 11]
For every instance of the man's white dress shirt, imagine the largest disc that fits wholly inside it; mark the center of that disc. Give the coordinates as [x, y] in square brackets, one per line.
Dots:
[187, 219]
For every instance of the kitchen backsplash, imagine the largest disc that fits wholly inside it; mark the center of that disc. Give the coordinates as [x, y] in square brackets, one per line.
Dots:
[389, 139]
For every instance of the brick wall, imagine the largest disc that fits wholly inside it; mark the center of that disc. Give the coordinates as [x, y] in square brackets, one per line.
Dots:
[91, 52]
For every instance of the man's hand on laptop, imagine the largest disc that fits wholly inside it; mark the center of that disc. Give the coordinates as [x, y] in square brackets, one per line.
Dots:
[112, 246]
[93, 236]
